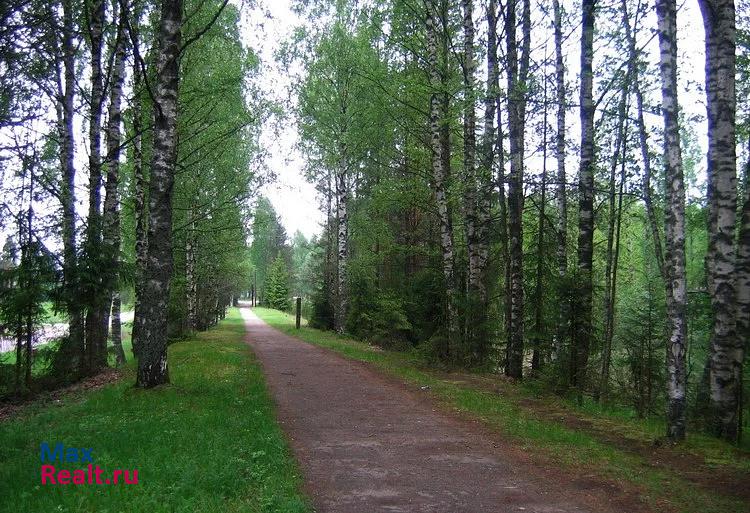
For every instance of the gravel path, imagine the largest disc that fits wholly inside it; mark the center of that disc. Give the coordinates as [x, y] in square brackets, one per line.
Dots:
[366, 443]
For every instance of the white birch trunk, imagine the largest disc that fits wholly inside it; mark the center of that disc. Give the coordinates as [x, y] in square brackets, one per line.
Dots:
[727, 347]
[152, 357]
[438, 159]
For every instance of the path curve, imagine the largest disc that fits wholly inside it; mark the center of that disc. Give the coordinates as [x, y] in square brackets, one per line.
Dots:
[367, 444]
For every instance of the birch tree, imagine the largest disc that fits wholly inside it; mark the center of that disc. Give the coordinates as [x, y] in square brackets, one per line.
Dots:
[111, 221]
[582, 326]
[674, 225]
[561, 198]
[727, 346]
[438, 151]
[152, 352]
[96, 299]
[518, 69]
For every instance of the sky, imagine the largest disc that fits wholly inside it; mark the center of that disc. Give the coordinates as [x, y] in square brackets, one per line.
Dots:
[265, 28]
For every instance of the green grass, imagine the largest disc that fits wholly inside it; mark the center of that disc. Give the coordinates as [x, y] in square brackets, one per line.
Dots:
[580, 451]
[206, 443]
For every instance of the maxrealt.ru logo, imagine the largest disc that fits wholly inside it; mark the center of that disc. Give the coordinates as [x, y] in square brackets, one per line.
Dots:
[92, 474]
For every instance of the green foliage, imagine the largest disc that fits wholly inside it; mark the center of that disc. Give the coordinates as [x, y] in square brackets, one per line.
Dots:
[25, 289]
[321, 316]
[218, 130]
[378, 317]
[277, 286]
[269, 241]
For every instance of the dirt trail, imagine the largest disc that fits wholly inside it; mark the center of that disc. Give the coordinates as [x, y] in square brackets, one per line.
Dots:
[368, 444]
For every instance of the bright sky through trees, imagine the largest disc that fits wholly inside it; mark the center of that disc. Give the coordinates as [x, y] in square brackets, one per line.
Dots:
[265, 29]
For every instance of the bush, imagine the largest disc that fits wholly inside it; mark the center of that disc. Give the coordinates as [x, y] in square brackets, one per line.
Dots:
[321, 316]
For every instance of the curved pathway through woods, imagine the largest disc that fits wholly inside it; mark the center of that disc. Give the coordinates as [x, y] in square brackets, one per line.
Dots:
[366, 443]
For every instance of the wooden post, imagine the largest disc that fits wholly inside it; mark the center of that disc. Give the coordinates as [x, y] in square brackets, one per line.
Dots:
[299, 311]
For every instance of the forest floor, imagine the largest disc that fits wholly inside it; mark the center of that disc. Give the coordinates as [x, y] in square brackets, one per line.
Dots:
[584, 457]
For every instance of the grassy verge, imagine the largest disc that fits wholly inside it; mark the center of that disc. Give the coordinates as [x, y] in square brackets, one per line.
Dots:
[206, 443]
[504, 407]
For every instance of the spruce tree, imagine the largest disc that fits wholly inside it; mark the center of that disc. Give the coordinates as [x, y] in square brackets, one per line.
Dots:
[277, 285]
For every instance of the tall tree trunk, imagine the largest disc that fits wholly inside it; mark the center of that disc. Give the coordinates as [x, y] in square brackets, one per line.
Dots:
[674, 222]
[342, 254]
[116, 328]
[439, 172]
[474, 282]
[192, 285]
[613, 242]
[561, 199]
[583, 303]
[477, 323]
[582, 329]
[97, 298]
[726, 346]
[488, 154]
[152, 357]
[470, 142]
[72, 349]
[537, 357]
[111, 231]
[501, 199]
[743, 286]
[139, 193]
[517, 74]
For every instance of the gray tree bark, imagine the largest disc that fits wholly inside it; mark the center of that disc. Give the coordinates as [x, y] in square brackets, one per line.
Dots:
[97, 298]
[643, 139]
[190, 278]
[488, 154]
[470, 146]
[476, 322]
[537, 358]
[674, 222]
[582, 329]
[727, 348]
[517, 77]
[342, 254]
[111, 230]
[743, 286]
[439, 174]
[72, 349]
[561, 198]
[140, 193]
[152, 352]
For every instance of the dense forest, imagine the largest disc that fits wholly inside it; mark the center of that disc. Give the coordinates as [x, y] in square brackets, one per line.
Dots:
[518, 187]
[515, 187]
